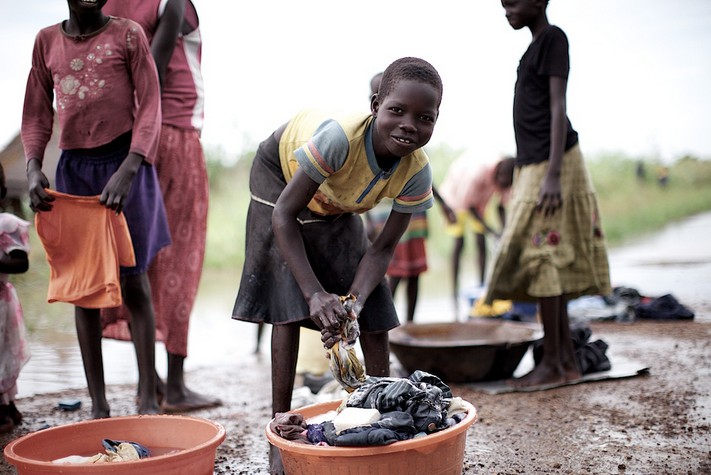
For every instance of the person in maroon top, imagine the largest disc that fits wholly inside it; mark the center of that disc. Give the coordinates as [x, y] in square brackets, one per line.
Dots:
[100, 72]
[172, 29]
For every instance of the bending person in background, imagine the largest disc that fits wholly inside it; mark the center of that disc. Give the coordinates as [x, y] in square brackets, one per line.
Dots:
[468, 189]
[172, 28]
[410, 257]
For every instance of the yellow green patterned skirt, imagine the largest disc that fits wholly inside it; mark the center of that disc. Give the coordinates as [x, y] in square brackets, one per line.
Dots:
[542, 256]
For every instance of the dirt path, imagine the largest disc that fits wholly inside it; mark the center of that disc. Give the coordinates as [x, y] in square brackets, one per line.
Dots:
[659, 423]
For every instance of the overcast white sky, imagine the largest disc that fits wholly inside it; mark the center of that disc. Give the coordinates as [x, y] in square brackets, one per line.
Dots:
[639, 81]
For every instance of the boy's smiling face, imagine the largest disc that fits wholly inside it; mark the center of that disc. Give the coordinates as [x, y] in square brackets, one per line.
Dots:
[405, 118]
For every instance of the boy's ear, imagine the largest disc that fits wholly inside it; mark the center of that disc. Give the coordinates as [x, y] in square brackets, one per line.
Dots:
[374, 105]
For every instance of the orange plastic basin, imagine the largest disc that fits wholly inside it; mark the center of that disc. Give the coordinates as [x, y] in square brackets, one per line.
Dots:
[441, 453]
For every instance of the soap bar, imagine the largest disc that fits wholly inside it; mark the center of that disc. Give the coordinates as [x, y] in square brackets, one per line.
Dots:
[355, 417]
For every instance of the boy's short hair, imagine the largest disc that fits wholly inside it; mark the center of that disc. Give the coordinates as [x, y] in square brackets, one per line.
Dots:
[410, 68]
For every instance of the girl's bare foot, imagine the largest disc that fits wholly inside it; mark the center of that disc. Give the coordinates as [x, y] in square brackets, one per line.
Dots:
[149, 409]
[100, 413]
[542, 375]
[187, 400]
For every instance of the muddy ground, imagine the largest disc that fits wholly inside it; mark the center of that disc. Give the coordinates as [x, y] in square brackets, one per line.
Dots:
[653, 424]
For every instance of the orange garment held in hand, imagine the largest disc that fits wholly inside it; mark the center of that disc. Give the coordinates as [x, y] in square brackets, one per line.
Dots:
[85, 243]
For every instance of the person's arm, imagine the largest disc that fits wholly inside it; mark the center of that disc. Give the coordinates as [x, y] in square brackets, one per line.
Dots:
[147, 112]
[502, 214]
[166, 35]
[448, 212]
[374, 265]
[475, 212]
[550, 198]
[37, 124]
[325, 309]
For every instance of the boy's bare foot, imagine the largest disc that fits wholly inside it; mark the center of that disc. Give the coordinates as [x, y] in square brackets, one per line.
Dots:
[542, 375]
[188, 400]
[149, 409]
[14, 414]
[100, 413]
[6, 424]
[276, 467]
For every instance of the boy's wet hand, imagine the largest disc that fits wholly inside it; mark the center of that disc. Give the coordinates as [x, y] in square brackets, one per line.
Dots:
[329, 338]
[326, 311]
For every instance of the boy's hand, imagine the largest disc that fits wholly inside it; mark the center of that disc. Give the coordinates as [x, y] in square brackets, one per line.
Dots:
[37, 182]
[326, 311]
[116, 190]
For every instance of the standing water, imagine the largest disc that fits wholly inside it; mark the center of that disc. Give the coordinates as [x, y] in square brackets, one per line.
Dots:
[676, 260]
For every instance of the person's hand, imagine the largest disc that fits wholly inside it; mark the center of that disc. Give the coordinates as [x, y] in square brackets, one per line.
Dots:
[116, 190]
[37, 183]
[449, 213]
[326, 311]
[550, 198]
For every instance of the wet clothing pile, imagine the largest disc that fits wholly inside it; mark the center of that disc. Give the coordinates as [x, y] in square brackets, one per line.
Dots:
[625, 304]
[666, 307]
[408, 407]
[345, 366]
[114, 451]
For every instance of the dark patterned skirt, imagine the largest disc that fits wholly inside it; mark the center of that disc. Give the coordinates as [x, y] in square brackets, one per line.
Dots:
[334, 245]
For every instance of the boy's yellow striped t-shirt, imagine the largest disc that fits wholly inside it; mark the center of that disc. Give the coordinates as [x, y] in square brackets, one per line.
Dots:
[337, 152]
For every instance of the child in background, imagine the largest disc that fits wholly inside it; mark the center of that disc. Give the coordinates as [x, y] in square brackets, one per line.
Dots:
[306, 245]
[108, 102]
[14, 351]
[410, 257]
[172, 28]
[552, 248]
[468, 189]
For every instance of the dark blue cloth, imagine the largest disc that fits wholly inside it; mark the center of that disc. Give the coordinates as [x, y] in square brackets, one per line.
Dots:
[666, 307]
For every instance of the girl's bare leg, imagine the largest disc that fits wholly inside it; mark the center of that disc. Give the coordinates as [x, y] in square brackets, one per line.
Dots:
[285, 349]
[137, 297]
[550, 369]
[376, 353]
[88, 325]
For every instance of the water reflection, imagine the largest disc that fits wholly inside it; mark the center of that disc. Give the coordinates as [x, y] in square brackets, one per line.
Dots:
[55, 362]
[672, 261]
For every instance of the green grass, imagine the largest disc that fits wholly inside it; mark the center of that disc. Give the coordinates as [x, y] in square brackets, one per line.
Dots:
[630, 207]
